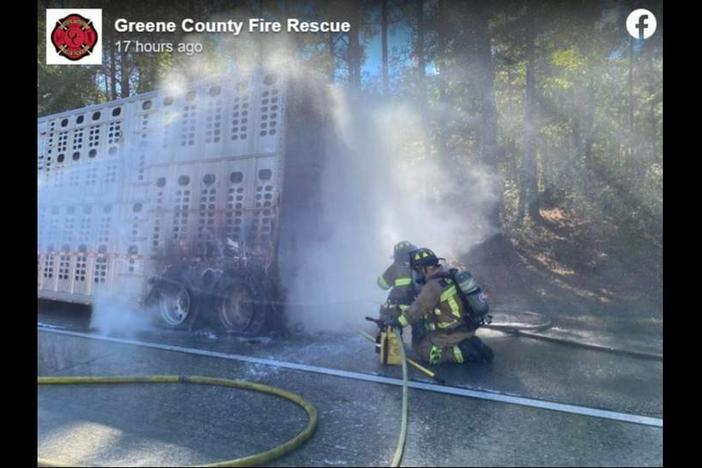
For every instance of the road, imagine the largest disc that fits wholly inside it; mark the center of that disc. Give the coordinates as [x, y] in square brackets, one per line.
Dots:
[359, 421]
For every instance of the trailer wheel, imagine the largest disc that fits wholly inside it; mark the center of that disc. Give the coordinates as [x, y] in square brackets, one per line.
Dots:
[238, 310]
[176, 305]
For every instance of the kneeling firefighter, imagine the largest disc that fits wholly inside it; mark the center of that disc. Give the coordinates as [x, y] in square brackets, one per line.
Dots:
[402, 282]
[453, 306]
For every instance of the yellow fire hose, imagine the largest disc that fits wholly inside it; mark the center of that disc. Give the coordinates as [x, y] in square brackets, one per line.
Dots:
[250, 460]
[399, 451]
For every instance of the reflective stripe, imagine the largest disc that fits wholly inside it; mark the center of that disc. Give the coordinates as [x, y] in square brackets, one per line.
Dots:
[450, 292]
[458, 354]
[454, 307]
[452, 323]
[392, 305]
[382, 283]
[403, 281]
[446, 324]
[403, 320]
[434, 354]
[449, 296]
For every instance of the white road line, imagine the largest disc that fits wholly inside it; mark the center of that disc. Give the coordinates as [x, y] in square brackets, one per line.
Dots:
[457, 391]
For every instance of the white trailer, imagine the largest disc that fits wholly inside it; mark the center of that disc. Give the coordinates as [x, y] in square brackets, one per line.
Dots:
[194, 200]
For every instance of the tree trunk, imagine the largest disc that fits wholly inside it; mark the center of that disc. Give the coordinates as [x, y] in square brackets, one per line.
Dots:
[441, 141]
[284, 11]
[529, 186]
[589, 130]
[106, 74]
[258, 37]
[331, 48]
[488, 129]
[124, 74]
[107, 83]
[384, 44]
[654, 132]
[113, 73]
[489, 150]
[630, 110]
[421, 79]
[354, 50]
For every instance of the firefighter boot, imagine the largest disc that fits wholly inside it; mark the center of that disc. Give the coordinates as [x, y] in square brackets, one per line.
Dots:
[485, 351]
[475, 351]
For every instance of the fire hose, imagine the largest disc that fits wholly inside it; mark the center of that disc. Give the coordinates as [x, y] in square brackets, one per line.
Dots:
[530, 331]
[250, 460]
[400, 450]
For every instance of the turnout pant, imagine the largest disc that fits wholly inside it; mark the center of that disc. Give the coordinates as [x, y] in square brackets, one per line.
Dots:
[458, 347]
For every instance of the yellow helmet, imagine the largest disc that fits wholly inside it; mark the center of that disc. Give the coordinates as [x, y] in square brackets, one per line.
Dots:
[423, 257]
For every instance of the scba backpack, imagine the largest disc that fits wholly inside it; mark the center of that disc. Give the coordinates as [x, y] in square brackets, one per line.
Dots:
[474, 300]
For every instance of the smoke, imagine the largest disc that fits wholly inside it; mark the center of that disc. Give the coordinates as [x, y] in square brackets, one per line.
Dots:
[113, 316]
[117, 315]
[379, 190]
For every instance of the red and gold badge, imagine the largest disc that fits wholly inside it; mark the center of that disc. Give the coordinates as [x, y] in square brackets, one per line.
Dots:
[74, 37]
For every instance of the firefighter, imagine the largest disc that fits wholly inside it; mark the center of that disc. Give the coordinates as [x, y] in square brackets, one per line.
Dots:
[402, 283]
[450, 336]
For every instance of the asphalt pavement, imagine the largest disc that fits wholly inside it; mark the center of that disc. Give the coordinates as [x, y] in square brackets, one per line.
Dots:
[168, 425]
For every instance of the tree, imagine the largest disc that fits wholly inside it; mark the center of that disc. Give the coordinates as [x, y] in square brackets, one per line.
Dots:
[384, 44]
[421, 77]
[354, 52]
[528, 181]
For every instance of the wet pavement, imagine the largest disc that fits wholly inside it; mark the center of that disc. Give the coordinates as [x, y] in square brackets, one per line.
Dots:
[359, 421]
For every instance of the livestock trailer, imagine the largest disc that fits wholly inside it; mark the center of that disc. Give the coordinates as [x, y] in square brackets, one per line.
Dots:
[195, 201]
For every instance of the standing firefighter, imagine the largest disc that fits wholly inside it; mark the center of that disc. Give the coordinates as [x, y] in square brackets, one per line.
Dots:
[399, 278]
[453, 307]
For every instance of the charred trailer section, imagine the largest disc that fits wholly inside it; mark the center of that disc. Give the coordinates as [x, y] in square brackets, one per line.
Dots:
[191, 203]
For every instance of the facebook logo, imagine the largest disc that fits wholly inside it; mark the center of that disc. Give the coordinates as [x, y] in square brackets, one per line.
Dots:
[641, 23]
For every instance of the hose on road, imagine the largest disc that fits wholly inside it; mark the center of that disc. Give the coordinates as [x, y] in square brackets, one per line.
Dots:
[399, 451]
[250, 460]
[529, 331]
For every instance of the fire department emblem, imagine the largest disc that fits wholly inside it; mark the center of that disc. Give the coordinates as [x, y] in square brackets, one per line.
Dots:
[74, 37]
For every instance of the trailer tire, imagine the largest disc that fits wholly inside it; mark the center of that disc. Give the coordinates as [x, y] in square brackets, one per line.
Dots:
[239, 308]
[176, 304]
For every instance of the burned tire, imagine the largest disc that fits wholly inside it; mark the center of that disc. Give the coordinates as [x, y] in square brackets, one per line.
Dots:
[176, 305]
[239, 309]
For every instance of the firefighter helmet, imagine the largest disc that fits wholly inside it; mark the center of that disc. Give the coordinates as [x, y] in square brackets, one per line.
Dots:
[402, 249]
[422, 258]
